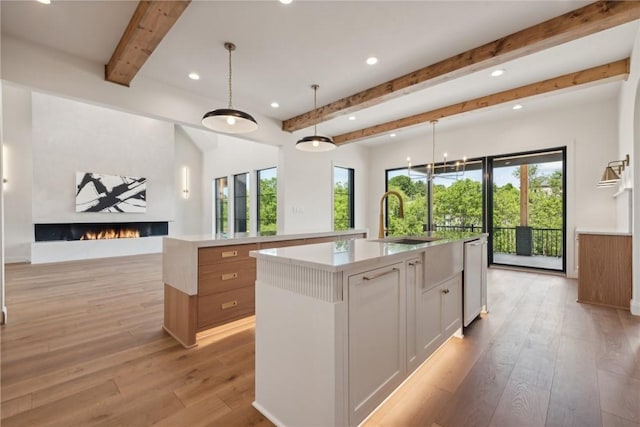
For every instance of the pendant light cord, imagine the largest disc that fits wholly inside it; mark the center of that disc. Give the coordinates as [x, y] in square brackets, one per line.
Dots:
[315, 123]
[230, 90]
[433, 148]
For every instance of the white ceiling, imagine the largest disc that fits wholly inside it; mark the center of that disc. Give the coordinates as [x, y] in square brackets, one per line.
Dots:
[283, 49]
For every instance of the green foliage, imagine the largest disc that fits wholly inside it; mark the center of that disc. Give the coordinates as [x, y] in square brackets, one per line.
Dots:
[341, 208]
[268, 206]
[459, 205]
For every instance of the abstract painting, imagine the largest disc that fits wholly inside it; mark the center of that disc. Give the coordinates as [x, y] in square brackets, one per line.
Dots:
[110, 193]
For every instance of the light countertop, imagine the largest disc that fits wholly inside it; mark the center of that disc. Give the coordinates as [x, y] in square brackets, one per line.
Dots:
[337, 256]
[207, 240]
[603, 232]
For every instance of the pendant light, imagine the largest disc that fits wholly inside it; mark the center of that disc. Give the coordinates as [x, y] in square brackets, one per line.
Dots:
[315, 143]
[229, 120]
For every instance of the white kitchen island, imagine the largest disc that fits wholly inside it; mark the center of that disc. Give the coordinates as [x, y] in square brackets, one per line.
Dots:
[339, 326]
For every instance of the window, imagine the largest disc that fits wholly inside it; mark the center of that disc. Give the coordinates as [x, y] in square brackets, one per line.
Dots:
[267, 198]
[241, 202]
[342, 198]
[221, 208]
[412, 186]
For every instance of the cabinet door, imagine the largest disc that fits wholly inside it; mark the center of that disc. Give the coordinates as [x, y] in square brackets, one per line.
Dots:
[413, 292]
[376, 337]
[429, 322]
[472, 280]
[451, 292]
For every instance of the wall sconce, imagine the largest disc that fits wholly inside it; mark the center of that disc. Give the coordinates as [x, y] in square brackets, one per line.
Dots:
[611, 175]
[185, 182]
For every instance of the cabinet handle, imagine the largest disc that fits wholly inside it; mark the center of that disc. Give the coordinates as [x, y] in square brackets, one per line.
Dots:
[412, 263]
[226, 305]
[228, 254]
[383, 273]
[445, 291]
[229, 276]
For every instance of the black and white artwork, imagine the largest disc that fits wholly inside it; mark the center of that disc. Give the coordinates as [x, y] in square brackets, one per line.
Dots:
[110, 193]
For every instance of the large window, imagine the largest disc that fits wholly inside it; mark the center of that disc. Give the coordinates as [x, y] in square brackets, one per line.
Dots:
[343, 198]
[241, 202]
[412, 186]
[267, 198]
[221, 205]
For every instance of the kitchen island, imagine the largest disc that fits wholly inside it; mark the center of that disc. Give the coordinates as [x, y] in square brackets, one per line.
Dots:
[339, 326]
[209, 280]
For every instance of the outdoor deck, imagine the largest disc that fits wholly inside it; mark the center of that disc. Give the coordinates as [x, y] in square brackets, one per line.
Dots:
[534, 261]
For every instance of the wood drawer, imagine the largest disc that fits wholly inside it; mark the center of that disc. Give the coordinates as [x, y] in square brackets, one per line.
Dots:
[226, 276]
[240, 303]
[219, 254]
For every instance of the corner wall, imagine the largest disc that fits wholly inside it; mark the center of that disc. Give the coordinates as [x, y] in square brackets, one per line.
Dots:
[629, 143]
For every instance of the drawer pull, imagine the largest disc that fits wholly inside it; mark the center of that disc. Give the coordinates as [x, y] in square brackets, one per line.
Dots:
[229, 276]
[414, 263]
[445, 291]
[230, 304]
[384, 273]
[228, 254]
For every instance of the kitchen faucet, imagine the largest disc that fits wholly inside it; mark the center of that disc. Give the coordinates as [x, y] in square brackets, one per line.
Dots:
[381, 229]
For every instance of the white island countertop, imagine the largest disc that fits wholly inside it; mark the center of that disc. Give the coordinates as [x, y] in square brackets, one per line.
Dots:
[340, 255]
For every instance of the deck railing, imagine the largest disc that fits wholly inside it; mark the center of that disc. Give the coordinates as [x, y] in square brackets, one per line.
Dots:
[545, 241]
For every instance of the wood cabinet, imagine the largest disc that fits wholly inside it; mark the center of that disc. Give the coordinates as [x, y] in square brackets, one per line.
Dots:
[604, 269]
[224, 278]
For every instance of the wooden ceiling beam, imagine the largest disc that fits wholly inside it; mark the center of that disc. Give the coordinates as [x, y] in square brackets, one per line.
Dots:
[582, 22]
[614, 70]
[150, 22]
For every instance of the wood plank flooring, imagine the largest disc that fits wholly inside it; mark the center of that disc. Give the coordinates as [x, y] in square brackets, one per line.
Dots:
[84, 347]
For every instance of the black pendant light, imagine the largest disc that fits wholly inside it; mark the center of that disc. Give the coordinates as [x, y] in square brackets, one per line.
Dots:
[228, 120]
[315, 143]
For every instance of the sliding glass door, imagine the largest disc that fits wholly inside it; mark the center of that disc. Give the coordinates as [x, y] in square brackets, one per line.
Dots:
[527, 210]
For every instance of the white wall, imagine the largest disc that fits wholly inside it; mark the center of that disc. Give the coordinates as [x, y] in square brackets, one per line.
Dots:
[47, 70]
[188, 210]
[589, 132]
[70, 136]
[629, 143]
[307, 196]
[19, 173]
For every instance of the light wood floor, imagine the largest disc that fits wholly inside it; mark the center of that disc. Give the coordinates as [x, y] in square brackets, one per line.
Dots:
[84, 347]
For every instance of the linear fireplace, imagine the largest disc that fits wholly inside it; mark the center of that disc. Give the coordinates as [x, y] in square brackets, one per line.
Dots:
[98, 231]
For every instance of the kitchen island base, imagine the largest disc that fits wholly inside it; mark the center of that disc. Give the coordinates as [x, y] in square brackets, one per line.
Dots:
[337, 333]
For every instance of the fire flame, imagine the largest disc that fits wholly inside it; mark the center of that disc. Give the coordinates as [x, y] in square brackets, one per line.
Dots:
[111, 234]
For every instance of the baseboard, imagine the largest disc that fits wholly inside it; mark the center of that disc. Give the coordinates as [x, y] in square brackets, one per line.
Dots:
[16, 259]
[635, 307]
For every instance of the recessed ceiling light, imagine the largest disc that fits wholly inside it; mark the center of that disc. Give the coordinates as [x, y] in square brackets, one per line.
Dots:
[497, 73]
[194, 76]
[372, 60]
[274, 105]
[517, 107]
[285, 1]
[393, 135]
[352, 117]
[44, 1]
